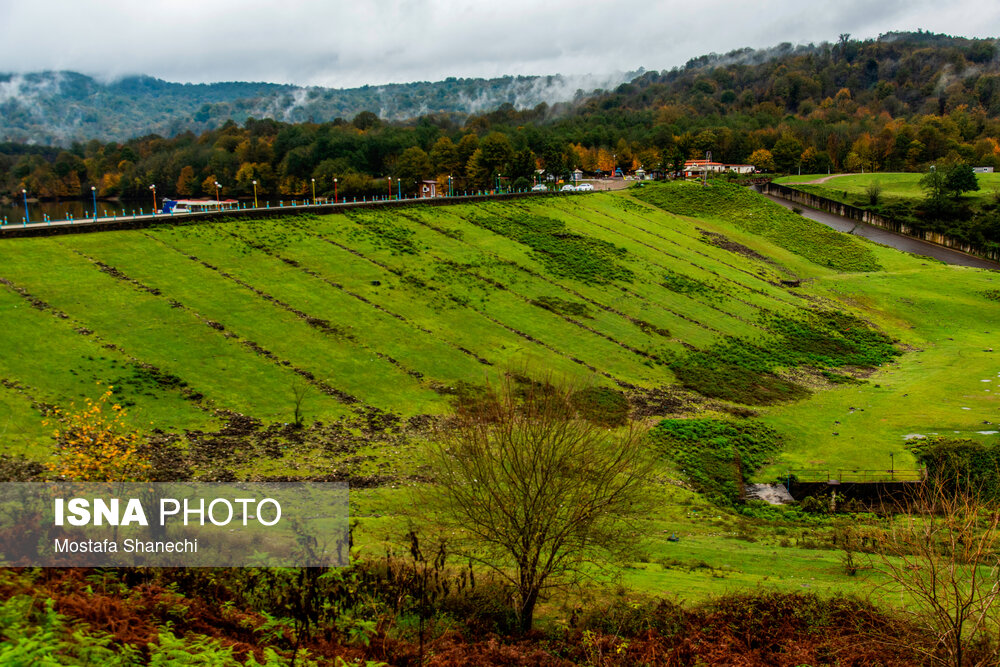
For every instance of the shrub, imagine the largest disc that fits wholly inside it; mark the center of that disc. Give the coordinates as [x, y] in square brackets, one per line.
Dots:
[563, 253]
[602, 405]
[715, 454]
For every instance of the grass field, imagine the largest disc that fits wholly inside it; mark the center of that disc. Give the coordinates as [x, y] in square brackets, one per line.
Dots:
[689, 302]
[849, 188]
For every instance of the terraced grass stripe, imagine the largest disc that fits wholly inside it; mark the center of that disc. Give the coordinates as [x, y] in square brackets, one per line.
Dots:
[631, 293]
[629, 208]
[348, 359]
[321, 325]
[420, 305]
[757, 215]
[503, 302]
[401, 274]
[149, 328]
[21, 429]
[641, 324]
[690, 248]
[701, 302]
[341, 396]
[625, 290]
[65, 360]
[775, 297]
[503, 288]
[368, 302]
[287, 283]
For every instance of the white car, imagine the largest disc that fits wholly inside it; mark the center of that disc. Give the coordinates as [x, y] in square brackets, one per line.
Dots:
[568, 188]
[584, 187]
[539, 188]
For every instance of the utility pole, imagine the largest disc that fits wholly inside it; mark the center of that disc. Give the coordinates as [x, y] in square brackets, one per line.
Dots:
[708, 158]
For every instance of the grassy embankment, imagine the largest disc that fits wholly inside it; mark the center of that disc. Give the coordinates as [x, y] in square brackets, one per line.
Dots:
[852, 188]
[671, 294]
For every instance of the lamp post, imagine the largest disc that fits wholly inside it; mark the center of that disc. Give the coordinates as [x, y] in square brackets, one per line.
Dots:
[255, 194]
[390, 186]
[708, 158]
[450, 191]
[217, 199]
[399, 188]
[152, 188]
[93, 194]
[24, 192]
[335, 191]
[314, 191]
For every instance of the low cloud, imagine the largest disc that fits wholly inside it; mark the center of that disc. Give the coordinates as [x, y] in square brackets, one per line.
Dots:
[341, 44]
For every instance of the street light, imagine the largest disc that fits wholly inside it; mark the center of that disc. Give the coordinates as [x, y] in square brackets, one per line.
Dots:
[217, 200]
[93, 194]
[450, 192]
[335, 191]
[399, 188]
[314, 191]
[255, 194]
[25, 194]
[151, 187]
[390, 186]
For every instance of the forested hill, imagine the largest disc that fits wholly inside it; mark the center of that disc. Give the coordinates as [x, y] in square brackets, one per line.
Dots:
[901, 102]
[897, 101]
[900, 73]
[58, 108]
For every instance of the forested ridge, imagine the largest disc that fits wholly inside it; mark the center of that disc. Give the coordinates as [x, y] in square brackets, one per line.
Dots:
[896, 103]
[64, 106]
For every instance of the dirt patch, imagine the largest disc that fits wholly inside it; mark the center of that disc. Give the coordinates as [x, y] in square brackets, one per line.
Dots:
[341, 450]
[33, 300]
[115, 273]
[724, 242]
[666, 401]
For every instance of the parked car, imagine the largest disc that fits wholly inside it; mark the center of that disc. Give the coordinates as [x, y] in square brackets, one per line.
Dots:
[539, 188]
[584, 187]
[567, 188]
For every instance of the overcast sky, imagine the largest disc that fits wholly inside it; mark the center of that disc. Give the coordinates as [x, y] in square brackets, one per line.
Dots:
[345, 44]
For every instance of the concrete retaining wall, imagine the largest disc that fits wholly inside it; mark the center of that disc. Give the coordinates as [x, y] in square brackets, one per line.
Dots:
[874, 219]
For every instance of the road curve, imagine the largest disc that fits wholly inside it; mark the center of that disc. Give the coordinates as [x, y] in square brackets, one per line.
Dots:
[891, 239]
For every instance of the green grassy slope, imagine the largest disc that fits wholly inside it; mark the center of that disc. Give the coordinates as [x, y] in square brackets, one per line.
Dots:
[902, 186]
[692, 303]
[657, 287]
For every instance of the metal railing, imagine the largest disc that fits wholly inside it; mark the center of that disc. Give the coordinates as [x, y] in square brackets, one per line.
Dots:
[855, 476]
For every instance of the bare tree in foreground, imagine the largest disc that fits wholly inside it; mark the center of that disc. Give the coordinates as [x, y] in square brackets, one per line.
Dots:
[533, 490]
[941, 559]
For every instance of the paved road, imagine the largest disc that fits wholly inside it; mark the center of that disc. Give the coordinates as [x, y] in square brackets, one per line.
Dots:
[891, 239]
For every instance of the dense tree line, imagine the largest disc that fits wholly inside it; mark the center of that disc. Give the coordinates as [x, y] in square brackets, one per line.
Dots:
[899, 102]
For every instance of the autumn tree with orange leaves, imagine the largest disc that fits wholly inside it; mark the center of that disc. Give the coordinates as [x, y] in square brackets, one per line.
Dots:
[93, 444]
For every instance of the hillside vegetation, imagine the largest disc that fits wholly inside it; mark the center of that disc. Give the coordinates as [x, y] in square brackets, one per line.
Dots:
[60, 108]
[677, 300]
[749, 342]
[900, 102]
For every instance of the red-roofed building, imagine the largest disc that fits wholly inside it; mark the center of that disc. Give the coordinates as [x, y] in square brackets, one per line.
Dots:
[698, 168]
